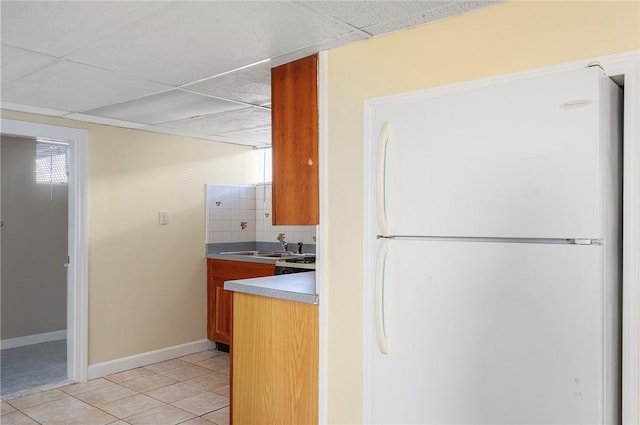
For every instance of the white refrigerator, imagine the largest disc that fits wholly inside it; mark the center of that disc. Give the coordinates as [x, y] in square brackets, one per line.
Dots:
[492, 253]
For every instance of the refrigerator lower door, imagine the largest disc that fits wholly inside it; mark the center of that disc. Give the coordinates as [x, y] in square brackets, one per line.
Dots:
[495, 333]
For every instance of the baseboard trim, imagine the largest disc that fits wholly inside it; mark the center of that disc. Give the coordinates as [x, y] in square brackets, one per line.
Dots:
[143, 359]
[33, 339]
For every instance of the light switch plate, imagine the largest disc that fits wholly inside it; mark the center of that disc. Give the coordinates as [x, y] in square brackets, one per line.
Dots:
[163, 217]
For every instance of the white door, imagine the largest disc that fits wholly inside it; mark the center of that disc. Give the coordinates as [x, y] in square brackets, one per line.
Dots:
[492, 333]
[516, 159]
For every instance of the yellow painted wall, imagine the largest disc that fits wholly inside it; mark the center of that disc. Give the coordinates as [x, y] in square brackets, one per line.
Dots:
[147, 283]
[496, 40]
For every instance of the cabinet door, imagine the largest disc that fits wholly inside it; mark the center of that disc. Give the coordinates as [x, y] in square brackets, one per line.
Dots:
[211, 300]
[275, 361]
[222, 312]
[220, 301]
[294, 113]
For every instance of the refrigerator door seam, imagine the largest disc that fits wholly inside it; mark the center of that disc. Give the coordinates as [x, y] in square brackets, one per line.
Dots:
[553, 241]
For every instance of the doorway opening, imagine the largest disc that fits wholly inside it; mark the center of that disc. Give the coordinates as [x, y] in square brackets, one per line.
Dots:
[70, 340]
[34, 199]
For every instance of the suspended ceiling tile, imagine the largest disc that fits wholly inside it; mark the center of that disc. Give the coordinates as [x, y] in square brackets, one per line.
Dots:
[168, 106]
[251, 85]
[179, 42]
[191, 134]
[74, 87]
[258, 137]
[310, 50]
[176, 132]
[57, 28]
[449, 9]
[17, 63]
[102, 120]
[362, 14]
[225, 122]
[9, 106]
[189, 41]
[237, 141]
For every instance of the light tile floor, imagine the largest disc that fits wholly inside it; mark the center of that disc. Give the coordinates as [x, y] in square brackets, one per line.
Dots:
[191, 390]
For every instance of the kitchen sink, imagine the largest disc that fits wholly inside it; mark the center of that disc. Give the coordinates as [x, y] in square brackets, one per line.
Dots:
[263, 254]
[275, 253]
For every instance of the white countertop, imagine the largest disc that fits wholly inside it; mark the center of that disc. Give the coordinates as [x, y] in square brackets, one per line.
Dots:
[295, 287]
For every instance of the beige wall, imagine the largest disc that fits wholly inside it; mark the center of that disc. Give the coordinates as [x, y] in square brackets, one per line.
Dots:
[147, 283]
[34, 245]
[499, 39]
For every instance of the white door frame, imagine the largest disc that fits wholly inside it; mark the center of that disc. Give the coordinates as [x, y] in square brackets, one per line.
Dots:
[77, 273]
[626, 65]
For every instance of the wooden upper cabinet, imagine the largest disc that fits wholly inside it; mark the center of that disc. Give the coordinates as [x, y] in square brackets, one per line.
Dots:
[294, 113]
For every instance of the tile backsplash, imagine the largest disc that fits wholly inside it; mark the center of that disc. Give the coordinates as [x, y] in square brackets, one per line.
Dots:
[243, 214]
[228, 207]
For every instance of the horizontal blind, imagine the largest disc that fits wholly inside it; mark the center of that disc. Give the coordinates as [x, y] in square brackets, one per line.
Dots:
[52, 162]
[264, 172]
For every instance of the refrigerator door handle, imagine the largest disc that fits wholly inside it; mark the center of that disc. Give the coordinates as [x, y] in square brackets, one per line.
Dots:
[385, 135]
[381, 336]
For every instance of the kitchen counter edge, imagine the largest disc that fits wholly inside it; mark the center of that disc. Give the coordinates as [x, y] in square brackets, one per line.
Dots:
[245, 258]
[293, 287]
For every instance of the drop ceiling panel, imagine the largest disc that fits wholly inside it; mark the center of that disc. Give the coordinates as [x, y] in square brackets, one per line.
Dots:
[362, 14]
[183, 133]
[248, 138]
[251, 85]
[449, 9]
[32, 109]
[177, 64]
[60, 27]
[313, 49]
[168, 106]
[259, 137]
[102, 120]
[74, 87]
[226, 122]
[188, 41]
[17, 63]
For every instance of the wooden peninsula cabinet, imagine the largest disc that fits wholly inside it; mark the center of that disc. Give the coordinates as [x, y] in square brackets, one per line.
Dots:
[294, 123]
[220, 301]
[275, 361]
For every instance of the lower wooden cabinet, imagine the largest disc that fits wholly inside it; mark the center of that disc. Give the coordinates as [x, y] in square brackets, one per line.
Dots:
[220, 301]
[275, 361]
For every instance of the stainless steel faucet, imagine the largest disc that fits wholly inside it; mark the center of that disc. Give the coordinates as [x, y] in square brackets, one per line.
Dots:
[283, 244]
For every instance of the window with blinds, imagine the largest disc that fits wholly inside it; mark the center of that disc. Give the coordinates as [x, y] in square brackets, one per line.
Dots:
[52, 163]
[264, 165]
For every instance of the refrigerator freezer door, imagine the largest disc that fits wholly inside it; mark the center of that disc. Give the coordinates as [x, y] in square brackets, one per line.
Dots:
[492, 333]
[516, 159]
